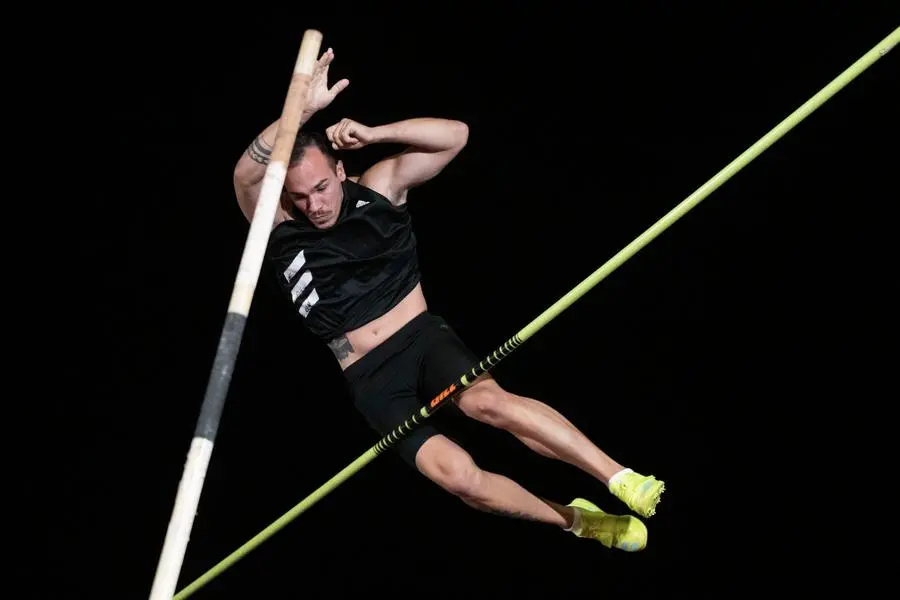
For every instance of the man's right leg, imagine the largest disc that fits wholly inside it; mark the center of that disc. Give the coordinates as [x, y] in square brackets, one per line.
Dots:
[448, 465]
[451, 467]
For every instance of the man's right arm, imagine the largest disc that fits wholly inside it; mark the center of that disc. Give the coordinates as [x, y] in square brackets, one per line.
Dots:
[250, 169]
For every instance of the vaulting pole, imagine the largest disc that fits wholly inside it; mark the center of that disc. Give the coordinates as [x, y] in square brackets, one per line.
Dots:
[191, 485]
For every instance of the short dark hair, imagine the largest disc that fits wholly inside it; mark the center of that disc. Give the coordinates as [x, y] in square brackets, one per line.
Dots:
[306, 139]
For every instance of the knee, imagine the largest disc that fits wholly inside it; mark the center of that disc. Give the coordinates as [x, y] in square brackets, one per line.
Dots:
[488, 403]
[457, 473]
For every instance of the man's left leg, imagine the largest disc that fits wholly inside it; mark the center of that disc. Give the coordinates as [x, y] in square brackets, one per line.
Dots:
[550, 434]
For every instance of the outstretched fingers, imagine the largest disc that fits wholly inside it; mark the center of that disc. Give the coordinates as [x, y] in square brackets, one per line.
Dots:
[326, 58]
[339, 87]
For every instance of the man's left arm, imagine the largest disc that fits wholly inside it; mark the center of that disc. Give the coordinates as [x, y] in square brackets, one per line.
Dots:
[431, 144]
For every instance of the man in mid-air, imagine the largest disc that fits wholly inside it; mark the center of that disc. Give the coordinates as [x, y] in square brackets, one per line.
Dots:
[344, 252]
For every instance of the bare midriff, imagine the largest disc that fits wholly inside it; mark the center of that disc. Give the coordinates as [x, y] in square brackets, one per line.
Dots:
[364, 339]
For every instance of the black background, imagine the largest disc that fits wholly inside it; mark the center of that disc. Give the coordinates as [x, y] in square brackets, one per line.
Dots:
[723, 357]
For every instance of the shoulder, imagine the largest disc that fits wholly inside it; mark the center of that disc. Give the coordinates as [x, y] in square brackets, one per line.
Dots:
[379, 178]
[361, 192]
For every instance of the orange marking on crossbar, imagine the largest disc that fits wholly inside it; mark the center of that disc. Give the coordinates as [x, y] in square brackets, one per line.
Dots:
[443, 395]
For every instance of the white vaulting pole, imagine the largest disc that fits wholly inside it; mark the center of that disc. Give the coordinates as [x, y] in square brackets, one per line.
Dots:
[191, 485]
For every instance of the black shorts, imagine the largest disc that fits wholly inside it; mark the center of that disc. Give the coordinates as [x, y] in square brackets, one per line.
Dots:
[405, 372]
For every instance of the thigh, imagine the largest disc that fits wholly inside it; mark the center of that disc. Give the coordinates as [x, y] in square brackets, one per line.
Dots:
[386, 397]
[386, 412]
[445, 359]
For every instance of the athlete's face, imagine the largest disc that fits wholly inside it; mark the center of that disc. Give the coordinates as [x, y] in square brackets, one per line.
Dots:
[314, 187]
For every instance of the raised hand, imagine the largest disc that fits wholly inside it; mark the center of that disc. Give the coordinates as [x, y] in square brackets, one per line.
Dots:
[319, 94]
[349, 135]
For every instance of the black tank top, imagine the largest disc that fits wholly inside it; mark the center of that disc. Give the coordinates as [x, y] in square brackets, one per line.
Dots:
[343, 277]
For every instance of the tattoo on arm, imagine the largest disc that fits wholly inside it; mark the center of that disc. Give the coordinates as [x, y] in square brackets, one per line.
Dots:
[259, 151]
[341, 347]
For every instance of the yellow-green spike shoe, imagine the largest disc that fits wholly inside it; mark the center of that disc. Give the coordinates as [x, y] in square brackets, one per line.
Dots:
[639, 492]
[624, 532]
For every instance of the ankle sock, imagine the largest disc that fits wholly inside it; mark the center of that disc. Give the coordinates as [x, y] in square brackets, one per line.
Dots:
[618, 475]
[576, 522]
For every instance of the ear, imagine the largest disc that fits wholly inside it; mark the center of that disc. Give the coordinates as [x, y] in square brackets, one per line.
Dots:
[339, 169]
